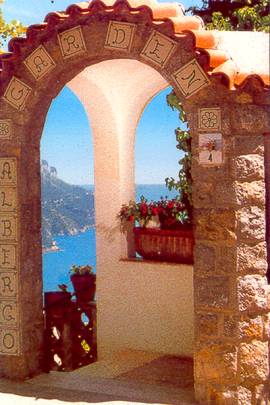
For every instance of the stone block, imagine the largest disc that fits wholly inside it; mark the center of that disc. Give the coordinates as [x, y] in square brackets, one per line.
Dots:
[251, 328]
[249, 145]
[215, 225]
[262, 394]
[203, 194]
[216, 363]
[206, 324]
[250, 193]
[226, 260]
[252, 293]
[252, 259]
[253, 362]
[244, 116]
[204, 258]
[225, 194]
[244, 396]
[228, 397]
[230, 326]
[248, 167]
[212, 292]
[266, 322]
[251, 224]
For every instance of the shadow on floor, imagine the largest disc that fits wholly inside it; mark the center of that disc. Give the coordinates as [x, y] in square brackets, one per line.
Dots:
[165, 380]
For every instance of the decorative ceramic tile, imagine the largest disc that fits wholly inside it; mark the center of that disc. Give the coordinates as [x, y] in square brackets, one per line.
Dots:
[39, 63]
[5, 129]
[190, 78]
[8, 257]
[119, 35]
[8, 171]
[17, 93]
[158, 48]
[8, 285]
[8, 228]
[210, 149]
[71, 42]
[9, 341]
[210, 119]
[9, 315]
[8, 199]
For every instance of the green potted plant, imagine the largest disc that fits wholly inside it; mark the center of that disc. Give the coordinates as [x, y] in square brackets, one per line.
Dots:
[84, 282]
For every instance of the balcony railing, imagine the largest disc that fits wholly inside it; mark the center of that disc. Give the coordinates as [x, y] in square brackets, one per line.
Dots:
[70, 332]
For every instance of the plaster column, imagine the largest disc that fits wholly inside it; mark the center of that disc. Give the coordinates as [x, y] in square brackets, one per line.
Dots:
[114, 94]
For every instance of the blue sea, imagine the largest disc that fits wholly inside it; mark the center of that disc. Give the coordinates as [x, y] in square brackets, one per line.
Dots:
[81, 249]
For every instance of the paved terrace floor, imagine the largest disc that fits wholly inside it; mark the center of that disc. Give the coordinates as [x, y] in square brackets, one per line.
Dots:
[127, 378]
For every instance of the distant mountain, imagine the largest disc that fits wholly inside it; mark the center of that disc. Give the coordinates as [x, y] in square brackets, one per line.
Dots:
[66, 209]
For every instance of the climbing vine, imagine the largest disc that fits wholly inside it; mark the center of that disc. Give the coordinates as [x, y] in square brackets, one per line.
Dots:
[183, 138]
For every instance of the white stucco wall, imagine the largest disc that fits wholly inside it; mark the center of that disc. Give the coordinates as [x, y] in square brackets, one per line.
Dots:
[139, 306]
[146, 306]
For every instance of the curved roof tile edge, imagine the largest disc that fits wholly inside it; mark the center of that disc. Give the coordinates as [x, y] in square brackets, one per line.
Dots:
[205, 41]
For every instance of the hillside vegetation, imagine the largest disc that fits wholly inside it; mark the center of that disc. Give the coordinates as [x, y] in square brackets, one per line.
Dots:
[66, 209]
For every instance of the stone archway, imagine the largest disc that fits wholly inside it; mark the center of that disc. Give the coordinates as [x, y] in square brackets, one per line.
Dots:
[231, 291]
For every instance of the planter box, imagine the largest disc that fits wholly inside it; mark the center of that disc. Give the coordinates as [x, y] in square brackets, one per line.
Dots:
[165, 245]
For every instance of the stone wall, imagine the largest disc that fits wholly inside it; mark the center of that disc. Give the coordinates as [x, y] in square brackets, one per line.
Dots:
[267, 189]
[231, 294]
[231, 291]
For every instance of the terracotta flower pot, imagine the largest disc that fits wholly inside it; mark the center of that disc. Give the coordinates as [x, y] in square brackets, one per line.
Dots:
[165, 245]
[84, 287]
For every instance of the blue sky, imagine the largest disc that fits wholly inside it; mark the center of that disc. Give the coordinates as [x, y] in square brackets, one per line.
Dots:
[66, 141]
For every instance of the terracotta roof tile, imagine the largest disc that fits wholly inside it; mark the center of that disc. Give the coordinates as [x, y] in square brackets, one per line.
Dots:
[205, 42]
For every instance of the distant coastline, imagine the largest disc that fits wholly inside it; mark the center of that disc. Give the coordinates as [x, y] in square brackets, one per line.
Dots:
[55, 248]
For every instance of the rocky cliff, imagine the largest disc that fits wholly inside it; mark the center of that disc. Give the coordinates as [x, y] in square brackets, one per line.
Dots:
[66, 209]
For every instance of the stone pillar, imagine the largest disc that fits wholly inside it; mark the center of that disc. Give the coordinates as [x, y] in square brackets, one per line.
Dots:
[267, 191]
[231, 291]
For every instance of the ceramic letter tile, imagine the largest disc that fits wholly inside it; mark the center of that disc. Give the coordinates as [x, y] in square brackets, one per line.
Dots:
[8, 257]
[8, 171]
[209, 119]
[119, 36]
[9, 341]
[17, 93]
[190, 78]
[158, 48]
[71, 42]
[9, 315]
[8, 199]
[210, 149]
[5, 129]
[39, 63]
[8, 227]
[8, 284]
